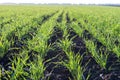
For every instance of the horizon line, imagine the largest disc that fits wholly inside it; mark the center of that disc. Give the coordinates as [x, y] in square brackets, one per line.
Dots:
[56, 3]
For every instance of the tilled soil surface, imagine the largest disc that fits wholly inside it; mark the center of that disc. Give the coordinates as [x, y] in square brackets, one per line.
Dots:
[18, 45]
[92, 67]
[56, 71]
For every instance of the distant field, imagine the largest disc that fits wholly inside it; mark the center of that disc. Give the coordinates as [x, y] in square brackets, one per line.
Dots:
[59, 42]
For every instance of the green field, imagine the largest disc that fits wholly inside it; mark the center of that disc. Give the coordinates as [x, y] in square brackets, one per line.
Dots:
[50, 42]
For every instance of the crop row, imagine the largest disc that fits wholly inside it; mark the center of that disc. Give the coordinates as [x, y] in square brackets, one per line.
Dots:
[58, 44]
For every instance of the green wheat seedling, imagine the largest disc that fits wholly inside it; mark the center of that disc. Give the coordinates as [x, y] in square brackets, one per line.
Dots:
[3, 47]
[99, 57]
[102, 22]
[77, 28]
[73, 65]
[74, 61]
[39, 45]
[37, 69]
[116, 49]
[17, 68]
[39, 42]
